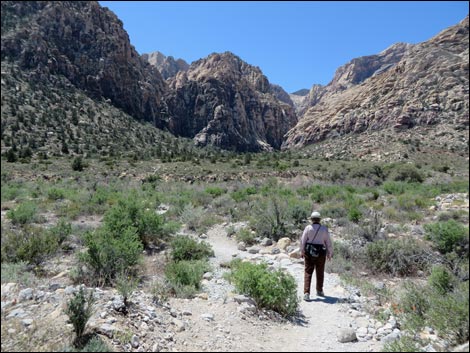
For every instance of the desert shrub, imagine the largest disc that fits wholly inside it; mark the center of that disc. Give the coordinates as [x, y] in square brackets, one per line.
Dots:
[187, 248]
[95, 344]
[407, 173]
[299, 213]
[447, 236]
[411, 202]
[61, 231]
[401, 257]
[334, 210]
[79, 310]
[395, 187]
[423, 305]
[129, 212]
[275, 290]
[441, 279]
[193, 217]
[78, 164]
[243, 194]
[10, 191]
[371, 225]
[215, 191]
[17, 272]
[354, 214]
[449, 314]
[126, 283]
[245, 235]
[270, 218]
[30, 244]
[344, 256]
[185, 277]
[25, 213]
[55, 194]
[404, 343]
[110, 253]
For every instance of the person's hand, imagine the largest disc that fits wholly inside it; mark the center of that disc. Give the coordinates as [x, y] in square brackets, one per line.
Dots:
[301, 255]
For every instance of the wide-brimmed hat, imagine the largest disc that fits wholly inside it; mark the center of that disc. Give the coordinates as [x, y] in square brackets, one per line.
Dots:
[315, 215]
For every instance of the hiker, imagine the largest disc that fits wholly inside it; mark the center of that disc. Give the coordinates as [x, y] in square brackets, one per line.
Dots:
[315, 248]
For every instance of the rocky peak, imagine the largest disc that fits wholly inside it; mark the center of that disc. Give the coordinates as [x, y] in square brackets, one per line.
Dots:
[360, 69]
[231, 105]
[405, 86]
[228, 67]
[88, 45]
[168, 66]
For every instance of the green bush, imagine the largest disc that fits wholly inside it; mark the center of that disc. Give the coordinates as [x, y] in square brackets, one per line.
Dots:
[185, 276]
[109, 254]
[23, 214]
[61, 231]
[401, 257]
[449, 314]
[354, 214]
[271, 290]
[299, 213]
[421, 306]
[193, 217]
[441, 279]
[18, 273]
[403, 344]
[447, 236]
[30, 244]
[407, 173]
[215, 191]
[270, 218]
[95, 344]
[245, 235]
[129, 212]
[78, 164]
[55, 194]
[185, 248]
[79, 310]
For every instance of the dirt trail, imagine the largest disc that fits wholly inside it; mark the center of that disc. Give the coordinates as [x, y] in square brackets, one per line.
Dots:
[314, 330]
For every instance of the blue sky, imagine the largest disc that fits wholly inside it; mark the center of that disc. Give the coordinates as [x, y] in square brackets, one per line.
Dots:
[295, 43]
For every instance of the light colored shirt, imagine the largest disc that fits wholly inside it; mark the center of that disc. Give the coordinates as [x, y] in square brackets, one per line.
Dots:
[323, 237]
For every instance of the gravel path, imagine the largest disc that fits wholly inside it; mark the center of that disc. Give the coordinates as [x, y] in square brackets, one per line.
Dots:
[315, 329]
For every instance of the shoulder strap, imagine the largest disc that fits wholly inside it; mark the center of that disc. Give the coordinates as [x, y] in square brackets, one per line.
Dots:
[319, 226]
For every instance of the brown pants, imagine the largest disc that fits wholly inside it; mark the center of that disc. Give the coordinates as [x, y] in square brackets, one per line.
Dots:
[311, 264]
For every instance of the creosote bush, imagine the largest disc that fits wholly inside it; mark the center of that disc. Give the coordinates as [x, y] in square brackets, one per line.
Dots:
[273, 290]
[187, 248]
[402, 257]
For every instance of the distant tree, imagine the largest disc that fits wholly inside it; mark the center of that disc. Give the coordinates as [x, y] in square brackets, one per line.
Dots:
[11, 156]
[78, 164]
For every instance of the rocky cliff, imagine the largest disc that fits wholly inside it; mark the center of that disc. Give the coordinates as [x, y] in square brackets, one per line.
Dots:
[87, 44]
[221, 100]
[168, 66]
[403, 87]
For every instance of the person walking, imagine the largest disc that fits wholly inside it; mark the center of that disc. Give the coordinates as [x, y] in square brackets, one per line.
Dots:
[315, 248]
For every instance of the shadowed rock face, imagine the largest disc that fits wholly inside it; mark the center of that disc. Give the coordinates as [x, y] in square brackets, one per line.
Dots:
[87, 44]
[223, 101]
[402, 87]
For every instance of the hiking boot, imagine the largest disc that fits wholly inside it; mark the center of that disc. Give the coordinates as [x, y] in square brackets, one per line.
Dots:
[306, 297]
[320, 293]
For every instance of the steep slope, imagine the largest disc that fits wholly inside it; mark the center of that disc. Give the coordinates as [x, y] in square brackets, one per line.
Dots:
[405, 86]
[223, 101]
[86, 44]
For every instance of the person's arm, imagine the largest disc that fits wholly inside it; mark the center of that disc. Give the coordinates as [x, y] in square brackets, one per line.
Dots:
[329, 245]
[303, 240]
